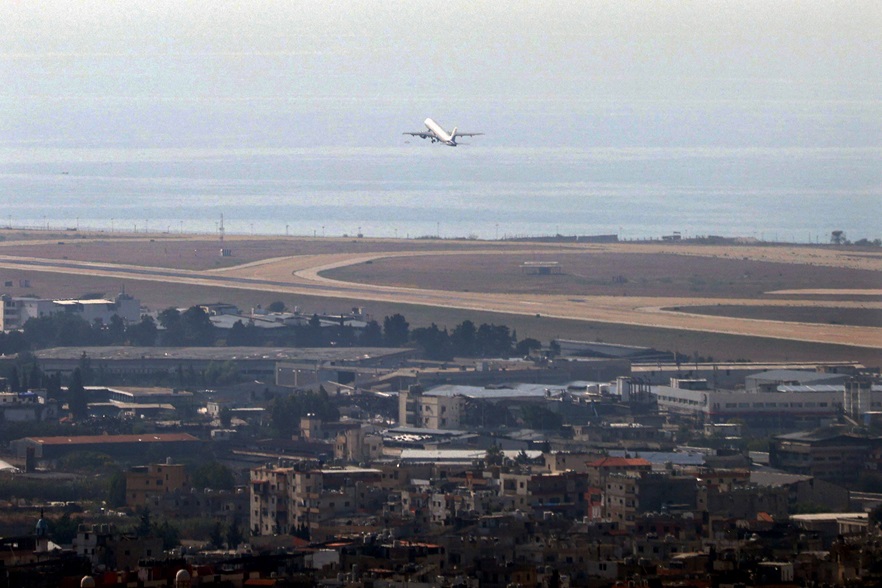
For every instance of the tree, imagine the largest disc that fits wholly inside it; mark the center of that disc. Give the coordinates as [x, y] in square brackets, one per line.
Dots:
[277, 306]
[463, 339]
[493, 456]
[143, 334]
[225, 416]
[838, 238]
[12, 342]
[116, 331]
[64, 528]
[35, 377]
[285, 411]
[85, 367]
[372, 335]
[116, 491]
[396, 330]
[169, 534]
[527, 346]
[221, 373]
[73, 330]
[144, 525]
[14, 382]
[234, 535]
[213, 475]
[170, 320]
[238, 336]
[198, 330]
[216, 535]
[76, 396]
[493, 341]
[434, 342]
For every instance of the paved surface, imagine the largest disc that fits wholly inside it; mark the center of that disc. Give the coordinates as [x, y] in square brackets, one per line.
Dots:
[302, 275]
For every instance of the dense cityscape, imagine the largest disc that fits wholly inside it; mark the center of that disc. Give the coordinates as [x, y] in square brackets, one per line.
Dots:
[278, 447]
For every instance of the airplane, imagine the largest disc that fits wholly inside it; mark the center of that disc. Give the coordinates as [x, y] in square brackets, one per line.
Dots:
[439, 135]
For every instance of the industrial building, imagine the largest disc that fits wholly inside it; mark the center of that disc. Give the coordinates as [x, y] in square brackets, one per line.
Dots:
[17, 310]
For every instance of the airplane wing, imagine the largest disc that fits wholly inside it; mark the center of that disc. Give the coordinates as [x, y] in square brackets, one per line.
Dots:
[458, 134]
[422, 134]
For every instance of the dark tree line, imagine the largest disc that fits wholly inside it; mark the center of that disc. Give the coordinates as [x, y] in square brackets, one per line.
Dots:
[193, 328]
[286, 411]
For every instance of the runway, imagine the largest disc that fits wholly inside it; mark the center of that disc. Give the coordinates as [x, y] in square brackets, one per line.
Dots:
[302, 275]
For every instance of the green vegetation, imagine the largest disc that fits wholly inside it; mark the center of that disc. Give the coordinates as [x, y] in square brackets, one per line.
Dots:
[213, 475]
[286, 411]
[39, 489]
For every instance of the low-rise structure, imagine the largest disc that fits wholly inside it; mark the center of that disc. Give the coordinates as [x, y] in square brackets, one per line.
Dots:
[17, 310]
[51, 448]
[145, 485]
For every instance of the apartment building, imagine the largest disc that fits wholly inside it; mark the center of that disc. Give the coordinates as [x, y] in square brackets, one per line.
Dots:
[146, 485]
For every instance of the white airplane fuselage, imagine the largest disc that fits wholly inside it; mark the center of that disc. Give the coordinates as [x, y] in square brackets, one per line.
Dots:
[437, 134]
[442, 135]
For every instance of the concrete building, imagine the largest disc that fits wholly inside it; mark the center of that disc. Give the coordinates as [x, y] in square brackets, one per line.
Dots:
[258, 363]
[270, 500]
[600, 469]
[359, 445]
[563, 461]
[146, 485]
[16, 407]
[103, 545]
[303, 498]
[765, 402]
[561, 492]
[18, 310]
[50, 448]
[628, 494]
[827, 455]
[431, 411]
[732, 375]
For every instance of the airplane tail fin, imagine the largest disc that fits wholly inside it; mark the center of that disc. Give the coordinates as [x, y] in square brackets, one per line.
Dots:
[453, 134]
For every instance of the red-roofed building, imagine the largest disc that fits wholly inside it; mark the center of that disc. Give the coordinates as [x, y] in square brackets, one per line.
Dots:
[600, 469]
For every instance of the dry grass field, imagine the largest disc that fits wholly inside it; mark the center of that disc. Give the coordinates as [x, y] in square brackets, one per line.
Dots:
[730, 302]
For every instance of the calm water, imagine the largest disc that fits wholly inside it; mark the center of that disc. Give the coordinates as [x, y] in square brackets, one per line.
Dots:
[772, 172]
[421, 189]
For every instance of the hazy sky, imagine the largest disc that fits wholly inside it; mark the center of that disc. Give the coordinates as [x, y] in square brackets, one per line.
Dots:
[293, 73]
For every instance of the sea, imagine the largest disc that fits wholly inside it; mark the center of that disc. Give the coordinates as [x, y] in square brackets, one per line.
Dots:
[523, 178]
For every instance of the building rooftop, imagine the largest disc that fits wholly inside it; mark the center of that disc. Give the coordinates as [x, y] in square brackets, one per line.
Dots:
[657, 458]
[109, 439]
[785, 375]
[514, 391]
[220, 353]
[819, 388]
[619, 462]
[143, 391]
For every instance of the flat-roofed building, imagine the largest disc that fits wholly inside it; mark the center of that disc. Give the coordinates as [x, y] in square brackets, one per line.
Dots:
[17, 310]
[270, 500]
[146, 485]
[600, 469]
[56, 447]
[787, 402]
[259, 363]
[828, 455]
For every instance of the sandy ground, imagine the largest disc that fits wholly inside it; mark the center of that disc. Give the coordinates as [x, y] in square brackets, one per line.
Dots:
[302, 274]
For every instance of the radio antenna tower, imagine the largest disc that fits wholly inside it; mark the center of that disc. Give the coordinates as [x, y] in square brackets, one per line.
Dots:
[220, 228]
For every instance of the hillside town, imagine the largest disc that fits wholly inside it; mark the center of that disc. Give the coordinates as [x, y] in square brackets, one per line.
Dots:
[211, 446]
